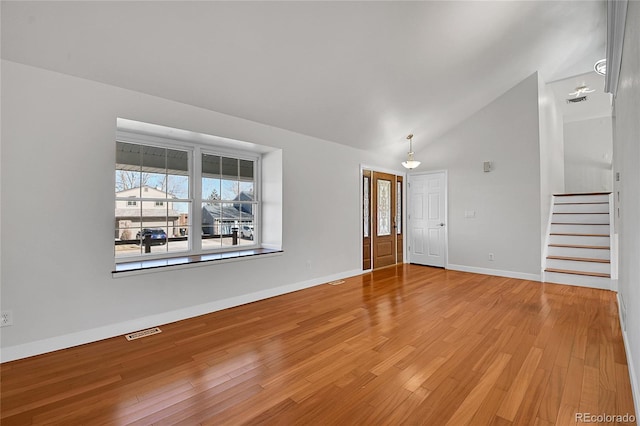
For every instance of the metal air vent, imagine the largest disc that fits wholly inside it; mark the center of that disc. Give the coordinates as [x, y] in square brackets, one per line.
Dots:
[576, 100]
[143, 333]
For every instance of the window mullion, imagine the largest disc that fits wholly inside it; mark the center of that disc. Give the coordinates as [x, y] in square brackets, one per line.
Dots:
[196, 196]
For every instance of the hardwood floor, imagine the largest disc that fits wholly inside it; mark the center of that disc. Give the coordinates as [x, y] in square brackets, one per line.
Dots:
[403, 345]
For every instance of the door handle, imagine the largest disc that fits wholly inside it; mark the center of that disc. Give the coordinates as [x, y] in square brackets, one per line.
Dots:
[442, 224]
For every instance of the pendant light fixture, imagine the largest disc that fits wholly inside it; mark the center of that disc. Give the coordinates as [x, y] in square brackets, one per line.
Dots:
[410, 163]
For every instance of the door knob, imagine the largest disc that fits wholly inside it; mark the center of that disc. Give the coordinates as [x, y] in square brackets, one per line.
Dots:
[442, 224]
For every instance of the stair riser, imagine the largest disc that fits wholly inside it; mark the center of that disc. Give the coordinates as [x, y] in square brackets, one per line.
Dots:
[581, 208]
[580, 252]
[583, 199]
[583, 241]
[579, 229]
[580, 280]
[580, 218]
[572, 265]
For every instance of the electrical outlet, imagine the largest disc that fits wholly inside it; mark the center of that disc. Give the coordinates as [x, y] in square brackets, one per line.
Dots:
[491, 256]
[6, 319]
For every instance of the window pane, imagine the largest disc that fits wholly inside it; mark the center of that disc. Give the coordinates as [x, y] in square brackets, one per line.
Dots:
[124, 249]
[246, 225]
[384, 207]
[246, 170]
[154, 159]
[154, 166]
[229, 222]
[210, 166]
[211, 219]
[125, 238]
[177, 162]
[398, 208]
[184, 224]
[210, 189]
[246, 191]
[177, 186]
[230, 168]
[365, 206]
[178, 227]
[230, 190]
[128, 169]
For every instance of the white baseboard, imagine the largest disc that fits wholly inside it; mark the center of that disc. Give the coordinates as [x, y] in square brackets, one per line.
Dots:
[25, 350]
[496, 272]
[635, 386]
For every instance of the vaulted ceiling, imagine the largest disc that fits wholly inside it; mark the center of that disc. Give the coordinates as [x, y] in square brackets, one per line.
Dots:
[363, 74]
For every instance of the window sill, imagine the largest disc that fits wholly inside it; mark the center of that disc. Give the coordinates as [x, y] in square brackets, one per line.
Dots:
[157, 265]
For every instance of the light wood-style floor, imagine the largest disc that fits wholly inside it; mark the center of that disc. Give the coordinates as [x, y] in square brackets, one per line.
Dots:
[404, 345]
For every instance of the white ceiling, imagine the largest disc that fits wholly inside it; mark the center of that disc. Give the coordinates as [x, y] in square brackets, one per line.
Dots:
[358, 73]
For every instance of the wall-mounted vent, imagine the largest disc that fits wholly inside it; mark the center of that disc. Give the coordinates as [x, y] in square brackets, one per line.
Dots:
[576, 100]
[143, 333]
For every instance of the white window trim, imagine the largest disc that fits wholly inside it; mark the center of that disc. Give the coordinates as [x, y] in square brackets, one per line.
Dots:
[194, 152]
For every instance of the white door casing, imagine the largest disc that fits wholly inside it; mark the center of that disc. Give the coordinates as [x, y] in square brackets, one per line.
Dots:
[427, 218]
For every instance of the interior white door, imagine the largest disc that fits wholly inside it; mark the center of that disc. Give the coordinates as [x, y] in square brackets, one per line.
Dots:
[427, 218]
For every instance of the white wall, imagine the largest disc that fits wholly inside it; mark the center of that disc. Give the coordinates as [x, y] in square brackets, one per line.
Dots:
[588, 152]
[58, 156]
[626, 147]
[551, 152]
[506, 201]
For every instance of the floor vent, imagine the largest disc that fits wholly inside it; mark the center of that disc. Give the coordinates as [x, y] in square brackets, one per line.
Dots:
[142, 333]
[336, 282]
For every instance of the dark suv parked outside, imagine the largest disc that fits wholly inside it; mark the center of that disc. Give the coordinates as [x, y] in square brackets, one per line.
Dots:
[158, 236]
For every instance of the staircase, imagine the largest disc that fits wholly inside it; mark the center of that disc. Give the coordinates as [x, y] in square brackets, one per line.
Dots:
[579, 241]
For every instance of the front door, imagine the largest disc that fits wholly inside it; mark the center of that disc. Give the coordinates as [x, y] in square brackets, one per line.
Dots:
[427, 219]
[382, 235]
[384, 220]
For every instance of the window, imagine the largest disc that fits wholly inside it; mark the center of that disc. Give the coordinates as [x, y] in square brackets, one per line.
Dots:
[163, 188]
[228, 202]
[152, 191]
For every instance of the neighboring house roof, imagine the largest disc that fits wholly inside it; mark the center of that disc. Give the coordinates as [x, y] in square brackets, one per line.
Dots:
[244, 196]
[224, 211]
[133, 213]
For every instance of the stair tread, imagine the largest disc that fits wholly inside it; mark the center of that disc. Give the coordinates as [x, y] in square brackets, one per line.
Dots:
[575, 194]
[578, 235]
[578, 204]
[580, 212]
[579, 259]
[565, 223]
[580, 246]
[566, 271]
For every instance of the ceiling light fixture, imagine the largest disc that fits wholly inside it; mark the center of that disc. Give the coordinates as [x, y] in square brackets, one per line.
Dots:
[581, 90]
[410, 163]
[601, 67]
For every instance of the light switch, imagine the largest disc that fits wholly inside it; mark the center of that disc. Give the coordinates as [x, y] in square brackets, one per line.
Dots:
[469, 213]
